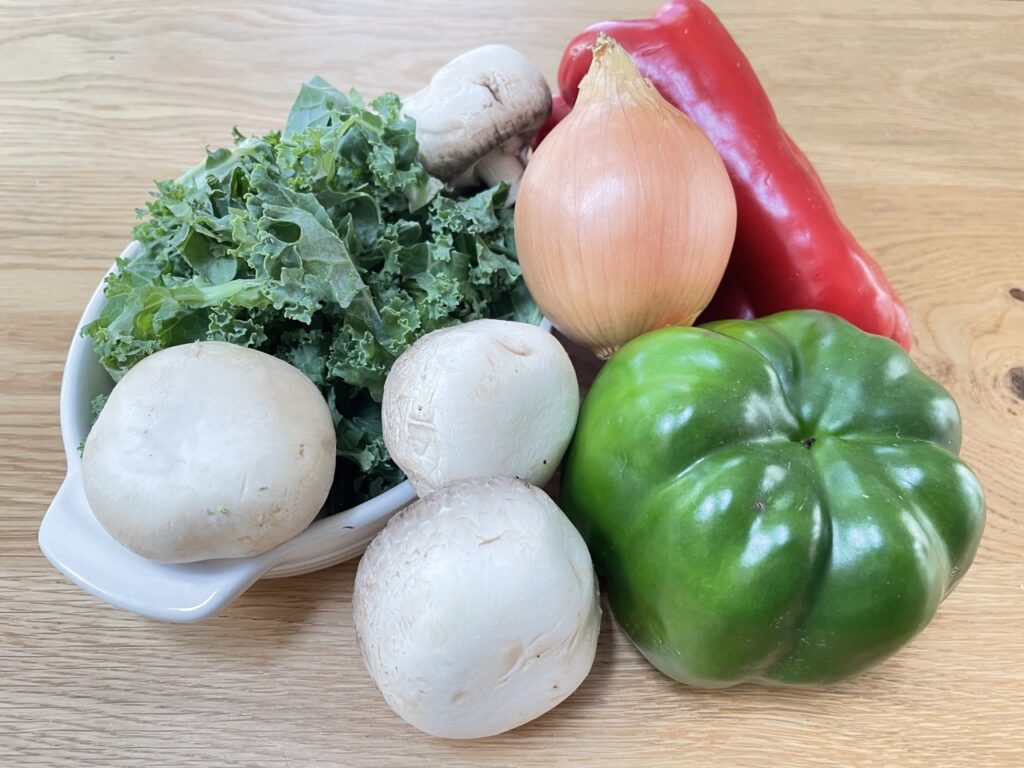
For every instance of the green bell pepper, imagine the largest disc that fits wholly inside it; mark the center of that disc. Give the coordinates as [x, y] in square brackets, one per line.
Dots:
[775, 500]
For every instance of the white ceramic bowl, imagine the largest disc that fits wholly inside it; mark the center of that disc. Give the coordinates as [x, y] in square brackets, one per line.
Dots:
[78, 546]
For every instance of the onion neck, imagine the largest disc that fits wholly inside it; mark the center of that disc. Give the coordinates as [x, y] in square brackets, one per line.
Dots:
[613, 77]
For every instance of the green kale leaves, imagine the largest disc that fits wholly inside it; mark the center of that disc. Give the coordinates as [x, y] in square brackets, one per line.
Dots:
[327, 245]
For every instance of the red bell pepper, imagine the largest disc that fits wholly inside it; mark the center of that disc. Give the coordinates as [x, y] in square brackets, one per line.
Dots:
[791, 249]
[559, 109]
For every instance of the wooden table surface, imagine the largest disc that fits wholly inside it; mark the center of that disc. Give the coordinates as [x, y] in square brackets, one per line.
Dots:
[912, 113]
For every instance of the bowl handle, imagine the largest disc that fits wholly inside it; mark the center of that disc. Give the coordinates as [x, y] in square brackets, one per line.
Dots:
[70, 535]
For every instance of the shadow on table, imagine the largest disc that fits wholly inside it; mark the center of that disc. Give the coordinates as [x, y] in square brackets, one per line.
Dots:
[274, 615]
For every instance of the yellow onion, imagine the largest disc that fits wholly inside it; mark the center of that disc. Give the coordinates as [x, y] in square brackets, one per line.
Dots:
[625, 216]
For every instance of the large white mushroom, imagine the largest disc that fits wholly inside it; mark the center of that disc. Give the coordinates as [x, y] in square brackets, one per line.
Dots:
[476, 609]
[481, 399]
[209, 450]
[475, 119]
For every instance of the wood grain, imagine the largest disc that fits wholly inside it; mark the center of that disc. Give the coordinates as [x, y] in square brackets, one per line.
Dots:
[912, 113]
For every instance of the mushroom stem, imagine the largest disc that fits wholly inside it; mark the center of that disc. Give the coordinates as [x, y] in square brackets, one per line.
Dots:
[497, 166]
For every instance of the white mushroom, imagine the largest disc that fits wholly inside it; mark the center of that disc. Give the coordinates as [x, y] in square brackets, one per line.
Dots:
[476, 609]
[475, 120]
[489, 397]
[209, 450]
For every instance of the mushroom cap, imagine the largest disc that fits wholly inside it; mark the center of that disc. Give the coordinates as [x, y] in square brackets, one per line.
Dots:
[209, 450]
[477, 609]
[485, 398]
[487, 98]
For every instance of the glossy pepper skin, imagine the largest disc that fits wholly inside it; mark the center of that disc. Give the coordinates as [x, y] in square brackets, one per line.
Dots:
[775, 500]
[791, 250]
